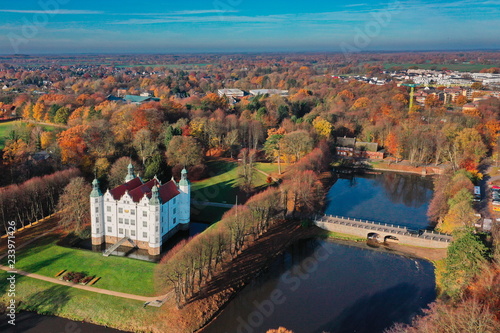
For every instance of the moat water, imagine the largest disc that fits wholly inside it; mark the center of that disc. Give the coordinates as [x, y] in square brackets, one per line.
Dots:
[326, 286]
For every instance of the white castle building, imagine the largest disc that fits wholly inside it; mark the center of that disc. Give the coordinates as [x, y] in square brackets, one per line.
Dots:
[140, 214]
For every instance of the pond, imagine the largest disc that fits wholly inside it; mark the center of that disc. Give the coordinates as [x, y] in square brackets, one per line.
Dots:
[326, 286]
[386, 197]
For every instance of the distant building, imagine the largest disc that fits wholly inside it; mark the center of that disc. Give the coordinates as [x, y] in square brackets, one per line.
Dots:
[140, 214]
[133, 99]
[350, 147]
[469, 107]
[279, 92]
[231, 93]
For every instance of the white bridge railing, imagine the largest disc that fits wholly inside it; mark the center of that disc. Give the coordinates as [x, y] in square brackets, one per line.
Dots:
[385, 227]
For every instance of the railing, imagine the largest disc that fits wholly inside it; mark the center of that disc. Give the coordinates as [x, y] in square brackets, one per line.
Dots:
[385, 227]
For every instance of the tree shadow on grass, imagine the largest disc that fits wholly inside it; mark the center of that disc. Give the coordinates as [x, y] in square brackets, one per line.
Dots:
[36, 266]
[47, 302]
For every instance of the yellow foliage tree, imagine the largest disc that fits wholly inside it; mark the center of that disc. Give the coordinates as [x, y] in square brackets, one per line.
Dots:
[39, 111]
[46, 139]
[322, 126]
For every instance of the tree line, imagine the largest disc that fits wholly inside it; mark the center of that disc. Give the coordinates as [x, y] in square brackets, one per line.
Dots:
[34, 199]
[189, 266]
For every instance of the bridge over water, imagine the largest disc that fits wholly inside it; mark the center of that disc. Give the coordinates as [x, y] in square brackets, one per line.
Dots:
[383, 231]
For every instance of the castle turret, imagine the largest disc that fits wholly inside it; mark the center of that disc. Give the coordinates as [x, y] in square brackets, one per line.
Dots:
[130, 173]
[97, 214]
[184, 200]
[154, 222]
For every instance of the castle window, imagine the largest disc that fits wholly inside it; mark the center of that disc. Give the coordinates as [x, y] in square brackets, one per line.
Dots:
[126, 221]
[175, 209]
[109, 229]
[97, 219]
[144, 235]
[145, 213]
[175, 220]
[97, 230]
[120, 220]
[132, 232]
[161, 229]
[157, 219]
[174, 201]
[120, 210]
[132, 211]
[108, 218]
[144, 224]
[156, 228]
[96, 200]
[157, 208]
[108, 208]
[120, 231]
[132, 222]
[97, 209]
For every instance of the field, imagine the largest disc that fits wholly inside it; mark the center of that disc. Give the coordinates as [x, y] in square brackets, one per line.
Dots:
[6, 127]
[222, 187]
[47, 298]
[45, 257]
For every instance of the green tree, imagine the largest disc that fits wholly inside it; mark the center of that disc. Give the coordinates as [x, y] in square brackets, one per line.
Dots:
[466, 256]
[62, 115]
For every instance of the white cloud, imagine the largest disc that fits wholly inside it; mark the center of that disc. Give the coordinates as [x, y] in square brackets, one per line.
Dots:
[53, 12]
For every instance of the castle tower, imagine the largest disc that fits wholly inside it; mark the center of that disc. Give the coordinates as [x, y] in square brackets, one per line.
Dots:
[154, 222]
[184, 200]
[97, 214]
[130, 173]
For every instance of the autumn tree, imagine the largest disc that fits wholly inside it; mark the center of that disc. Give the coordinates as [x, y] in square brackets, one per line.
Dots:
[322, 127]
[75, 204]
[73, 147]
[144, 144]
[185, 151]
[394, 146]
[118, 171]
[246, 169]
[296, 144]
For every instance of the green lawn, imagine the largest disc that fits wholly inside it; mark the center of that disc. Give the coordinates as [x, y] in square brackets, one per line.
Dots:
[6, 127]
[222, 187]
[48, 298]
[271, 167]
[45, 257]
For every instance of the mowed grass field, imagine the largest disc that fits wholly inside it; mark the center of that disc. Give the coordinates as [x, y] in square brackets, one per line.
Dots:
[222, 187]
[126, 275]
[52, 299]
[6, 128]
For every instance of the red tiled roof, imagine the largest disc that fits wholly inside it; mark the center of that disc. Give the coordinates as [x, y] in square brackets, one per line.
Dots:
[119, 191]
[167, 191]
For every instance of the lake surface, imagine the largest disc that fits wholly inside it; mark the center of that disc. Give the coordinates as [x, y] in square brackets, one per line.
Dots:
[325, 286]
[30, 322]
[388, 197]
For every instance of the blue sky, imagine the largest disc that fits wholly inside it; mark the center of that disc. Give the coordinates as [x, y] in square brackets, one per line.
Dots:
[70, 26]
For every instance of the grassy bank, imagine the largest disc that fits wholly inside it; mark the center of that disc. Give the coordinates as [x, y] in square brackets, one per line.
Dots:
[80, 305]
[222, 187]
[45, 257]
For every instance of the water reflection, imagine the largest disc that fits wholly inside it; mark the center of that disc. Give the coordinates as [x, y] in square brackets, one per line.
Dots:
[386, 197]
[329, 287]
